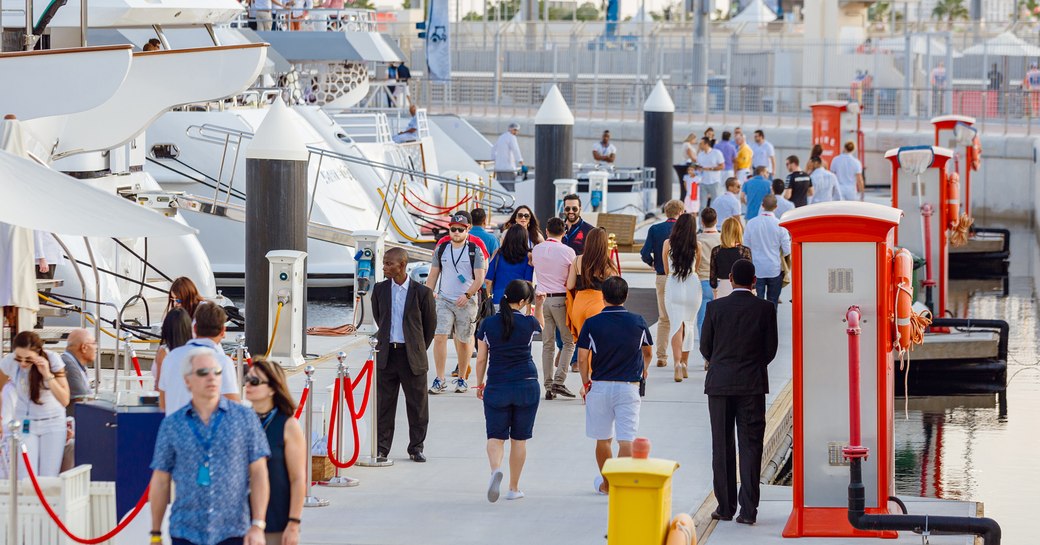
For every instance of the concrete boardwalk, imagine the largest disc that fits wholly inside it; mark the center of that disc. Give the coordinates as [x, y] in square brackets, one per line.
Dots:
[444, 500]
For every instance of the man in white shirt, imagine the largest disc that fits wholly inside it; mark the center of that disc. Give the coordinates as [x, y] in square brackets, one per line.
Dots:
[506, 154]
[849, 171]
[710, 163]
[824, 182]
[727, 205]
[782, 205]
[768, 242]
[209, 331]
[762, 154]
[603, 151]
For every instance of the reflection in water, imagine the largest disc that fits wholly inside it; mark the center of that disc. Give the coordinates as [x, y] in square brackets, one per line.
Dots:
[980, 447]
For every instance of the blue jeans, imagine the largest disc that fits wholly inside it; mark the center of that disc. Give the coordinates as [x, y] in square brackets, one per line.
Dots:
[559, 346]
[769, 288]
[707, 295]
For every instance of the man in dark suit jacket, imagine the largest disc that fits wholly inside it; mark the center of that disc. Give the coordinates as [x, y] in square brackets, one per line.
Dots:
[405, 314]
[738, 341]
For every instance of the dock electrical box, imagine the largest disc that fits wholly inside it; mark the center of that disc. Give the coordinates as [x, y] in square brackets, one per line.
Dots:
[842, 256]
[286, 300]
[959, 134]
[835, 122]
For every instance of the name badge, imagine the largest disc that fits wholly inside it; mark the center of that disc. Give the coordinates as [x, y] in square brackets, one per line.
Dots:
[462, 279]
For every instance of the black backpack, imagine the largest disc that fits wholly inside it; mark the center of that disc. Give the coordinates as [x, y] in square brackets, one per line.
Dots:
[485, 307]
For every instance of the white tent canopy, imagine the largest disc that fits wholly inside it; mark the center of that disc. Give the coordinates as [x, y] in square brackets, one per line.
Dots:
[919, 45]
[756, 12]
[36, 197]
[1004, 45]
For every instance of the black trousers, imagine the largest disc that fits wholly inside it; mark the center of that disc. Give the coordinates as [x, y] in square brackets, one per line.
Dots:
[398, 375]
[746, 416]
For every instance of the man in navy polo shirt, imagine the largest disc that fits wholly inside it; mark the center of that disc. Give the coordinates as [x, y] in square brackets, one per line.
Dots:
[616, 345]
[577, 228]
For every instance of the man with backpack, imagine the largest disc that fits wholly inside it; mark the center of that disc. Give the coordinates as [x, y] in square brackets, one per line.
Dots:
[460, 267]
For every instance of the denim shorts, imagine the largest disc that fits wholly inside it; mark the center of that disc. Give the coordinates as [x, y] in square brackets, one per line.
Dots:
[510, 408]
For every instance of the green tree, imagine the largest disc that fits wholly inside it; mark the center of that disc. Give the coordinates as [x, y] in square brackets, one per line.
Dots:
[950, 11]
[588, 12]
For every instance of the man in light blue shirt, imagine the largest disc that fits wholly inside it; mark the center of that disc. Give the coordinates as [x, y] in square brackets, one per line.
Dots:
[824, 182]
[754, 190]
[762, 153]
[490, 241]
[728, 204]
[768, 242]
[410, 132]
[782, 205]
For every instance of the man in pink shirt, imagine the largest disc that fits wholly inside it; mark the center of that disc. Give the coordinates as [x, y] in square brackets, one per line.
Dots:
[552, 261]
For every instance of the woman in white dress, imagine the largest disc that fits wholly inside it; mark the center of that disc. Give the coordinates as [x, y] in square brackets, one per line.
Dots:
[682, 291]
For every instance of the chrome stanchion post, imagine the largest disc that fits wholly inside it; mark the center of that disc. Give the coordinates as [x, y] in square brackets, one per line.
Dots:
[14, 428]
[240, 360]
[310, 500]
[373, 459]
[344, 383]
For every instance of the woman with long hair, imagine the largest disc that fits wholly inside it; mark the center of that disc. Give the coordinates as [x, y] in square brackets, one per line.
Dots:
[176, 332]
[267, 390]
[510, 262]
[586, 277]
[726, 254]
[512, 391]
[39, 393]
[184, 294]
[682, 290]
[524, 217]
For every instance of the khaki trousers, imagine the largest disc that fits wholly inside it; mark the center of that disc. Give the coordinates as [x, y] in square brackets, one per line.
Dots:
[555, 312]
[663, 325]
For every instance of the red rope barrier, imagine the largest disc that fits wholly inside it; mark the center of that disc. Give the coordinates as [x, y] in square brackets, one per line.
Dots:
[440, 210]
[617, 259]
[303, 401]
[353, 413]
[137, 364]
[43, 500]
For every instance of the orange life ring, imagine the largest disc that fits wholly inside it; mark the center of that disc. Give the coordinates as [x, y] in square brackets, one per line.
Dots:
[975, 154]
[903, 276]
[681, 531]
[953, 200]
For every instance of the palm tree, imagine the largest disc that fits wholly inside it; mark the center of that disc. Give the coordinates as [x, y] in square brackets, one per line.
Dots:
[950, 11]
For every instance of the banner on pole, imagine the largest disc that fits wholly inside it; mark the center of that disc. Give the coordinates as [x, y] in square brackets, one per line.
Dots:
[438, 47]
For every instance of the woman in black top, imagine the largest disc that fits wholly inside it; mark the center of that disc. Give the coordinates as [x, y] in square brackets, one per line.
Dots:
[725, 255]
[266, 389]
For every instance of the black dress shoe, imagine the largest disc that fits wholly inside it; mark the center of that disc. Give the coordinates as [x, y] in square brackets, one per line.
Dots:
[549, 394]
[562, 390]
[417, 457]
[745, 520]
[715, 515]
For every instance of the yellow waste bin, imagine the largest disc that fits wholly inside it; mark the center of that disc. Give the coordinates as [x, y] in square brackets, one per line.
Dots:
[640, 504]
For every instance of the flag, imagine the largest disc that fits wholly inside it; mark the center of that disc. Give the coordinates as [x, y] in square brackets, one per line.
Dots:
[438, 47]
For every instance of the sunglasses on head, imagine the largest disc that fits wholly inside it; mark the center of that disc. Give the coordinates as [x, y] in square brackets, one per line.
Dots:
[571, 208]
[523, 215]
[458, 229]
[205, 371]
[254, 380]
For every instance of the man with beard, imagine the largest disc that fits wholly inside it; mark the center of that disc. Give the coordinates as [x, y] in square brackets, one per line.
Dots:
[577, 228]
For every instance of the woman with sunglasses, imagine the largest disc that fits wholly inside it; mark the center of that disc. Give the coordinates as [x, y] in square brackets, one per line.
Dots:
[176, 332]
[586, 276]
[524, 217]
[512, 390]
[41, 393]
[184, 294]
[267, 390]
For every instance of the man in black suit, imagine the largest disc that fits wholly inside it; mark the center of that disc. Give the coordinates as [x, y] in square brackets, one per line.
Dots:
[738, 340]
[405, 314]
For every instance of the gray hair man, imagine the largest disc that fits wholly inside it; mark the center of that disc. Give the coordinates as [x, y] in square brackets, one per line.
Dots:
[80, 354]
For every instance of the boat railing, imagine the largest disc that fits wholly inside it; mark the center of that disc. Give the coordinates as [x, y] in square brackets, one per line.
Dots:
[228, 137]
[365, 126]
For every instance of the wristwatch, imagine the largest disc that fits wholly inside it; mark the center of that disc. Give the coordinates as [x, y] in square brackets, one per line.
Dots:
[259, 524]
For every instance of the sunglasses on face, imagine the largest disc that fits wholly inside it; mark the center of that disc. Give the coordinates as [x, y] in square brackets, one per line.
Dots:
[571, 208]
[254, 381]
[523, 216]
[205, 371]
[458, 229]
[23, 360]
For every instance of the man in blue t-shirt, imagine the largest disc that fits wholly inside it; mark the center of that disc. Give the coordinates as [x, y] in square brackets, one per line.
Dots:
[478, 230]
[754, 190]
[616, 345]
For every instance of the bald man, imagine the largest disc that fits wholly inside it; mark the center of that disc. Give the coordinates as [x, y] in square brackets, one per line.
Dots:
[80, 353]
[405, 313]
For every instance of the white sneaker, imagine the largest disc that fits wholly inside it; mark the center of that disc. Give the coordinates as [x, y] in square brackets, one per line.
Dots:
[514, 495]
[494, 486]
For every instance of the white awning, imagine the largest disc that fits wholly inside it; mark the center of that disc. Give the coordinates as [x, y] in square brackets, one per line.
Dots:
[1004, 45]
[36, 197]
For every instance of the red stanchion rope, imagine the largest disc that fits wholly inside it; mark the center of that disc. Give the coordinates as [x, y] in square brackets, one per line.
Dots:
[617, 260]
[54, 516]
[303, 401]
[137, 364]
[355, 415]
[439, 210]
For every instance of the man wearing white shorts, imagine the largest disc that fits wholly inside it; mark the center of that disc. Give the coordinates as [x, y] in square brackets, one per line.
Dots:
[460, 268]
[616, 345]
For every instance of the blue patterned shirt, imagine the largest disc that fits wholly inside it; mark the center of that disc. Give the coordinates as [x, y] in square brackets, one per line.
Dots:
[207, 515]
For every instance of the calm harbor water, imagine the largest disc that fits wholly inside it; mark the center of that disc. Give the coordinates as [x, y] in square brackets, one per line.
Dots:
[980, 447]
